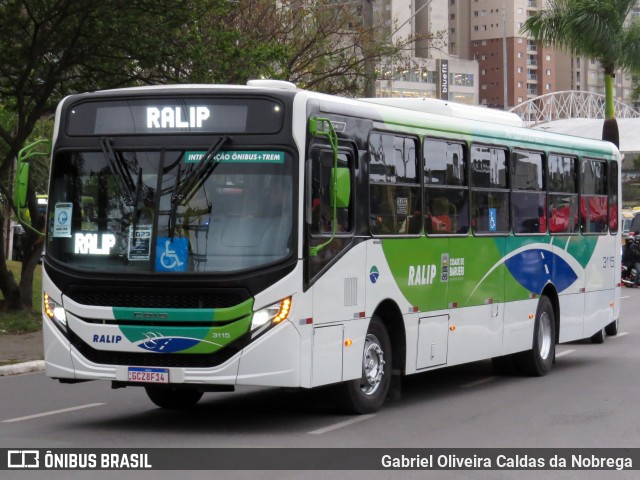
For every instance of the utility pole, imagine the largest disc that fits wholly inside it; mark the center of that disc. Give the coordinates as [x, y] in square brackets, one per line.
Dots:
[370, 64]
[504, 55]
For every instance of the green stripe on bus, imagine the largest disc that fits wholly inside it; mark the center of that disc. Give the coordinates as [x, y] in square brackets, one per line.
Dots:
[201, 339]
[184, 314]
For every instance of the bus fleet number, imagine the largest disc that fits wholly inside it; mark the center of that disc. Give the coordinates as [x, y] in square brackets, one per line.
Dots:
[608, 262]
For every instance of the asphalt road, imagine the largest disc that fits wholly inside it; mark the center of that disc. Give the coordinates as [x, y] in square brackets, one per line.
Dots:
[590, 399]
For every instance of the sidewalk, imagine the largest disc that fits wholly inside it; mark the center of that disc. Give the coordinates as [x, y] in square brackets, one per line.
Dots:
[21, 353]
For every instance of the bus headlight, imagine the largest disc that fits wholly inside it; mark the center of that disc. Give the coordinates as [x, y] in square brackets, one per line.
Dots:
[270, 315]
[55, 312]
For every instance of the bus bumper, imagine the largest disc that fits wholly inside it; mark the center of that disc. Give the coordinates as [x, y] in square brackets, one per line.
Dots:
[271, 360]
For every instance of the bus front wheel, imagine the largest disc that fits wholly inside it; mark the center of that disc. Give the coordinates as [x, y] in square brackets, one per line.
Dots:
[368, 393]
[599, 336]
[537, 361]
[173, 398]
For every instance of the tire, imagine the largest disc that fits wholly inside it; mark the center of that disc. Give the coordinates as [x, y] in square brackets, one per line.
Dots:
[504, 365]
[173, 398]
[612, 328]
[368, 393]
[537, 361]
[598, 337]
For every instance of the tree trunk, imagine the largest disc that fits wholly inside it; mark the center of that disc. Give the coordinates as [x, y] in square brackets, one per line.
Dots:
[8, 284]
[610, 130]
[30, 258]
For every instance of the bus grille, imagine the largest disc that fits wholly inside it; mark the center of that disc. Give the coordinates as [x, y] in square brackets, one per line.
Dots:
[148, 297]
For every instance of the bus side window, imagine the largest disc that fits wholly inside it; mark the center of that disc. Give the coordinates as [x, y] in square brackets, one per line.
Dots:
[321, 209]
[593, 201]
[563, 194]
[319, 215]
[529, 196]
[613, 196]
[395, 206]
[446, 193]
[490, 189]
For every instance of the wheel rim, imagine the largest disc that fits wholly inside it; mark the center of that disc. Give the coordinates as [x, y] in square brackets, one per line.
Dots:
[544, 335]
[372, 365]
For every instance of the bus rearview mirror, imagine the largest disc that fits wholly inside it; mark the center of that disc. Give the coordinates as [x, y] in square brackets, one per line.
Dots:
[341, 182]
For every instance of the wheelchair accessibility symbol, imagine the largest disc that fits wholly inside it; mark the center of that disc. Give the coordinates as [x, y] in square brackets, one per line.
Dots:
[171, 255]
[493, 219]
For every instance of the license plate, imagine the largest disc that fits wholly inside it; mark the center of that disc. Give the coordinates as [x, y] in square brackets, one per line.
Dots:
[148, 375]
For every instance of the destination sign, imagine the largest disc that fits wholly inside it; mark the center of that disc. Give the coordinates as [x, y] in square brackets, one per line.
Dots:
[237, 157]
[175, 115]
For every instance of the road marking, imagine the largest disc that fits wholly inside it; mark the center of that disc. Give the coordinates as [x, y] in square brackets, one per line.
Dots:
[478, 382]
[627, 296]
[564, 352]
[53, 412]
[621, 334]
[346, 423]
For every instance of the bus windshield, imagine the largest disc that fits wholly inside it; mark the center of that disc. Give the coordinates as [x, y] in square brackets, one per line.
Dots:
[154, 211]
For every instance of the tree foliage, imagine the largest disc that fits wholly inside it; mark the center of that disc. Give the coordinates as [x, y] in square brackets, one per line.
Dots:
[597, 29]
[53, 48]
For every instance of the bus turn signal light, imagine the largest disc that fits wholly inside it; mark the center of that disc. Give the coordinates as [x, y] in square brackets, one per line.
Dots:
[283, 313]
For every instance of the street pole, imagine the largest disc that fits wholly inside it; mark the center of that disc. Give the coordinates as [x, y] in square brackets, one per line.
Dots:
[504, 55]
[370, 63]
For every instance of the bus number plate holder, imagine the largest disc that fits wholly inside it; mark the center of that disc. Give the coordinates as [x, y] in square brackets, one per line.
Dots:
[148, 375]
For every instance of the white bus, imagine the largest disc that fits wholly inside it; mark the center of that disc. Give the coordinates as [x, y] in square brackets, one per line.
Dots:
[266, 235]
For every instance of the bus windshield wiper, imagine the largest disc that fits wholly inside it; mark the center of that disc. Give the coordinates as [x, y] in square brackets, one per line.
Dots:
[186, 188]
[120, 172]
[137, 195]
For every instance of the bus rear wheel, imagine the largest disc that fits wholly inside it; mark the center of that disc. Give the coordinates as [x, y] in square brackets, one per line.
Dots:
[612, 328]
[173, 398]
[537, 361]
[368, 393]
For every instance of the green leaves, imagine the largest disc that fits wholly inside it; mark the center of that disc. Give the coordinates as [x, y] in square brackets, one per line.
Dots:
[597, 29]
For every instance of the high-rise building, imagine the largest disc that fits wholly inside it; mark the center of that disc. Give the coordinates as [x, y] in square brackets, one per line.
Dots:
[511, 64]
[486, 57]
[489, 31]
[428, 69]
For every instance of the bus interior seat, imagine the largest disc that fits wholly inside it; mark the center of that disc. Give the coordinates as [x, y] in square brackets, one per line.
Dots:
[442, 215]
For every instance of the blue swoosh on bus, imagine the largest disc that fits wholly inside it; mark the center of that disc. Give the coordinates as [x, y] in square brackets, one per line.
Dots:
[534, 268]
[169, 344]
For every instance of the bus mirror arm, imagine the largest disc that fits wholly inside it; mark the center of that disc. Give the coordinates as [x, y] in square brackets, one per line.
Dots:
[324, 127]
[22, 181]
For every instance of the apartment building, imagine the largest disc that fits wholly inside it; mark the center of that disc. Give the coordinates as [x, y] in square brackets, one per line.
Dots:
[490, 32]
[428, 69]
[486, 57]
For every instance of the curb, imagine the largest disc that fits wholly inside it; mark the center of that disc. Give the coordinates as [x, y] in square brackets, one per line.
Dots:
[25, 367]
